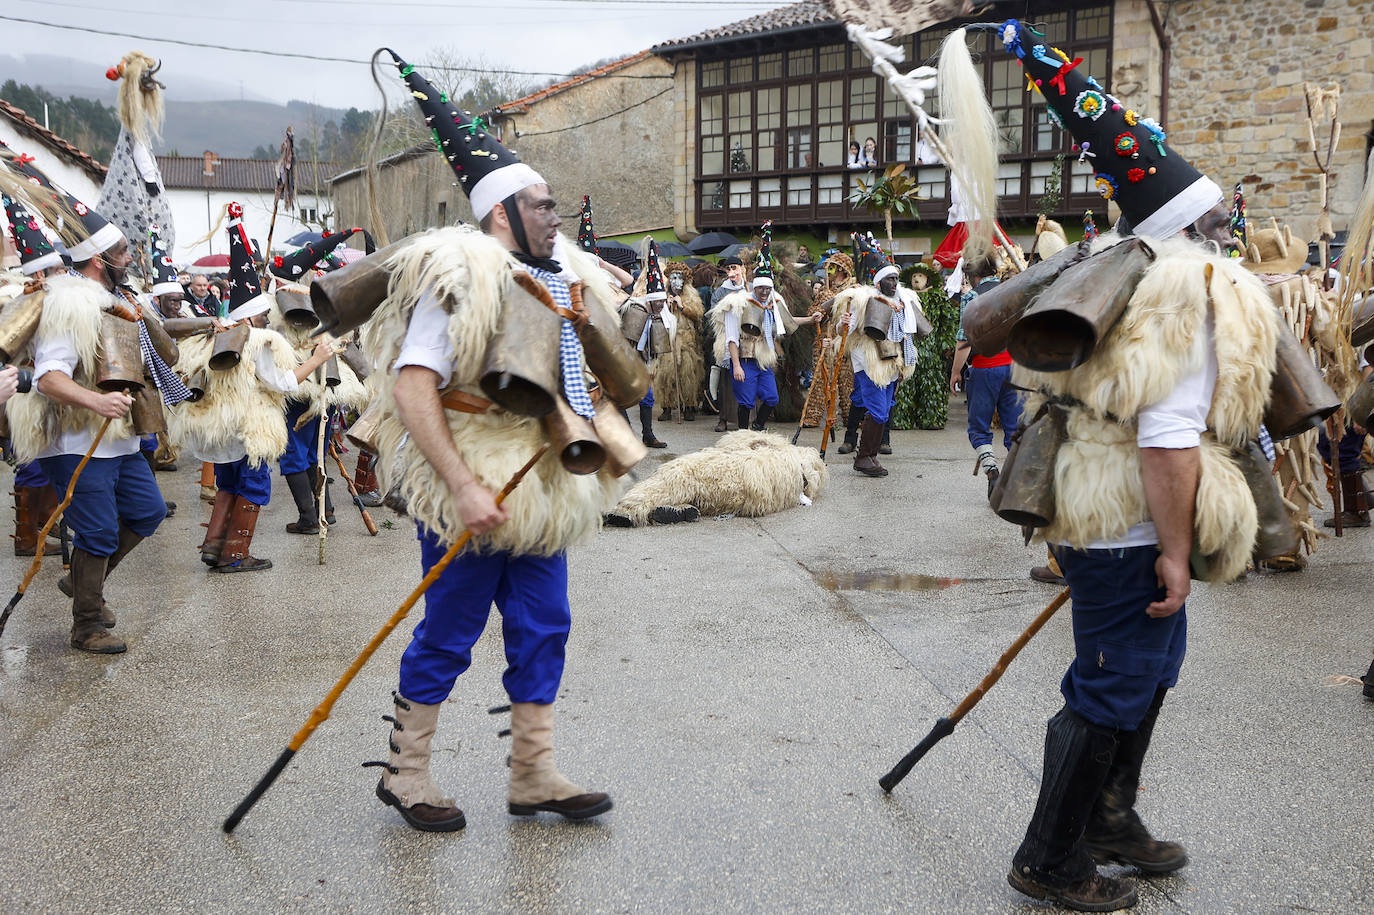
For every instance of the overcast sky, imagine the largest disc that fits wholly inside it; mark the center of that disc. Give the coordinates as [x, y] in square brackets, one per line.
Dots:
[530, 35]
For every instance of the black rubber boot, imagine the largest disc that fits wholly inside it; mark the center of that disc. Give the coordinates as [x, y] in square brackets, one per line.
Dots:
[851, 429]
[742, 414]
[1115, 833]
[1052, 862]
[304, 497]
[646, 423]
[761, 418]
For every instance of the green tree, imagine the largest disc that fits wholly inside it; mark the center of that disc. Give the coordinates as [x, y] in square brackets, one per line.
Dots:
[894, 192]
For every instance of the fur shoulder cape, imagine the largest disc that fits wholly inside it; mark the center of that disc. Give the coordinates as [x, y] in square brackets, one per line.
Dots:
[471, 274]
[72, 308]
[737, 303]
[237, 408]
[880, 371]
[1098, 490]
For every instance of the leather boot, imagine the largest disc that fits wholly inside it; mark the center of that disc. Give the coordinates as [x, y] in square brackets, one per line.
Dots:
[535, 783]
[866, 460]
[207, 481]
[986, 461]
[1115, 833]
[761, 418]
[742, 415]
[313, 474]
[725, 396]
[1052, 862]
[243, 519]
[33, 505]
[365, 479]
[304, 497]
[1354, 503]
[851, 429]
[646, 423]
[127, 541]
[885, 446]
[406, 784]
[217, 528]
[88, 585]
[165, 457]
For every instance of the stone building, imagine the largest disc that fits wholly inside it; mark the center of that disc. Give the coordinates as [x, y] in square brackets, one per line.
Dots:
[605, 133]
[766, 108]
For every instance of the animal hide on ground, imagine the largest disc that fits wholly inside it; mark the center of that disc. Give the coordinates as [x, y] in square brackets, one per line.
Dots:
[746, 473]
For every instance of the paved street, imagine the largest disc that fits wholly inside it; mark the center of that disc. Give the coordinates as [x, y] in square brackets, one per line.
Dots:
[738, 686]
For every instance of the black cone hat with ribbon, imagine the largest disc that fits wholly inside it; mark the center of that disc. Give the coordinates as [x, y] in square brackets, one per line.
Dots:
[487, 171]
[763, 267]
[292, 266]
[1239, 230]
[586, 235]
[1158, 191]
[164, 271]
[654, 288]
[246, 299]
[36, 252]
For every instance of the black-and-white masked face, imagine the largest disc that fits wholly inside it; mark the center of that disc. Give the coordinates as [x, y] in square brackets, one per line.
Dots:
[675, 283]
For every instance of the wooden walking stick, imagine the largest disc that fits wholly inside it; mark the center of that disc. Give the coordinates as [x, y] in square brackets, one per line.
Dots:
[43, 534]
[945, 726]
[353, 491]
[320, 465]
[834, 388]
[822, 382]
[321, 712]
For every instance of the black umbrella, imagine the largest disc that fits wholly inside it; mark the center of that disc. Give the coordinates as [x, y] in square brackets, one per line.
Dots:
[712, 243]
[301, 239]
[734, 250]
[673, 249]
[618, 253]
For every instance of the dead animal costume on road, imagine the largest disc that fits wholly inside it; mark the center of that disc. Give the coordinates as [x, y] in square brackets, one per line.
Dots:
[746, 473]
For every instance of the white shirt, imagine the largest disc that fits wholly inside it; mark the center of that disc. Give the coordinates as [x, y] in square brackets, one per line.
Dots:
[732, 329]
[1176, 422]
[57, 353]
[426, 342]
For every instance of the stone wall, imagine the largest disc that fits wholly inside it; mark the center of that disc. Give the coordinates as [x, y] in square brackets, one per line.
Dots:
[623, 161]
[1237, 109]
[685, 149]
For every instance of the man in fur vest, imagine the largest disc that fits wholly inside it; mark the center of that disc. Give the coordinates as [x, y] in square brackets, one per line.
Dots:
[447, 450]
[117, 503]
[1145, 479]
[748, 325]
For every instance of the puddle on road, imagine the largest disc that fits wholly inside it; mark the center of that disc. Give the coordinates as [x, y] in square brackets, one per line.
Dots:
[881, 581]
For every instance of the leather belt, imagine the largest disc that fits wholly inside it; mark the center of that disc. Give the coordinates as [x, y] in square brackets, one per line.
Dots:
[463, 402]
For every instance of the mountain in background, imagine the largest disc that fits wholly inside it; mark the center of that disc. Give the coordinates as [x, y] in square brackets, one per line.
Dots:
[229, 126]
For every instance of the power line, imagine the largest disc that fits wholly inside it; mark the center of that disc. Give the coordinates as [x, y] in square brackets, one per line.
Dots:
[520, 134]
[301, 56]
[663, 3]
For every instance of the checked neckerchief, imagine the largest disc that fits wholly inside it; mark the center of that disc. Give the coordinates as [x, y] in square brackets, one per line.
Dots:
[569, 347]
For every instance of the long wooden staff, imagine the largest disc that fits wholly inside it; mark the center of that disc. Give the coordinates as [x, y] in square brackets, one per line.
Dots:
[353, 491]
[822, 382]
[52, 519]
[321, 712]
[945, 726]
[320, 466]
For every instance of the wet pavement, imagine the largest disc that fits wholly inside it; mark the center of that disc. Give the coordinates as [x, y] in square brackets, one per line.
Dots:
[738, 685]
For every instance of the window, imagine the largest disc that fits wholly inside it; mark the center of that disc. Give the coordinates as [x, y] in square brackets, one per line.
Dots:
[830, 189]
[713, 74]
[710, 133]
[830, 132]
[741, 194]
[798, 192]
[897, 141]
[799, 127]
[742, 70]
[801, 63]
[768, 119]
[1092, 23]
[832, 58]
[739, 124]
[863, 98]
[770, 192]
[310, 214]
[770, 66]
[443, 212]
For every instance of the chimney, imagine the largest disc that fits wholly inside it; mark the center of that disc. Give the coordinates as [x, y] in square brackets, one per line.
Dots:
[211, 160]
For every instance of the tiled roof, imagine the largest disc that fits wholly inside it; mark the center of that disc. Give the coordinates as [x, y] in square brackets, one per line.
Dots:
[405, 155]
[542, 94]
[798, 15]
[234, 174]
[28, 126]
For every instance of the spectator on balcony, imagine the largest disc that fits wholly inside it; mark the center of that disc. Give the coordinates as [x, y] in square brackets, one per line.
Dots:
[856, 155]
[870, 156]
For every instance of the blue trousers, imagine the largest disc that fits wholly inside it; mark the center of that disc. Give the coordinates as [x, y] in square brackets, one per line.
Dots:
[990, 390]
[252, 481]
[1121, 655]
[30, 474]
[758, 384]
[1352, 443]
[531, 592]
[302, 444]
[648, 400]
[109, 492]
[877, 401]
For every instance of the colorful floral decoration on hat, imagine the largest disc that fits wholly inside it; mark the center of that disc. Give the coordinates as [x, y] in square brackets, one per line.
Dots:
[586, 234]
[1127, 145]
[1239, 230]
[1090, 104]
[1106, 186]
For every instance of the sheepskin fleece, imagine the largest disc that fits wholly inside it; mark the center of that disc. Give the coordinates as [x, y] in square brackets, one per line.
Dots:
[746, 473]
[750, 347]
[348, 394]
[236, 408]
[685, 369]
[882, 372]
[71, 307]
[551, 509]
[1098, 488]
